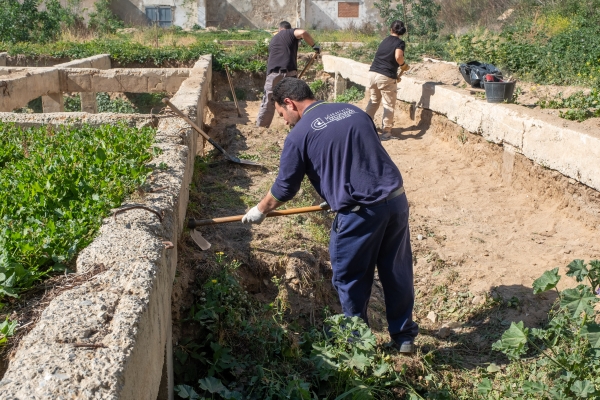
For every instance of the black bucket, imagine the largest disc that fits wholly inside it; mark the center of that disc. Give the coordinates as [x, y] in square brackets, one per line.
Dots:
[498, 92]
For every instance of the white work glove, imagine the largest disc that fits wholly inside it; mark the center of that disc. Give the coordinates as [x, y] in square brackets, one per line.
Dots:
[254, 216]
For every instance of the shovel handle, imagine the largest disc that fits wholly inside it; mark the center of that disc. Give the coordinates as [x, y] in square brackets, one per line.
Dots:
[308, 64]
[193, 223]
[196, 127]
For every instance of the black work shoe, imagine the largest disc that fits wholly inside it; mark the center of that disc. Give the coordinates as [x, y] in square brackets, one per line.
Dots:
[406, 347]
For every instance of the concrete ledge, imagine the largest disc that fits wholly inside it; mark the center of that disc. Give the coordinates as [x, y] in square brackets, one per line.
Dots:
[545, 139]
[126, 308]
[100, 61]
[146, 80]
[16, 90]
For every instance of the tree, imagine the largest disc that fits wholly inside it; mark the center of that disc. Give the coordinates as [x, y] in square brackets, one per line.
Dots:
[420, 16]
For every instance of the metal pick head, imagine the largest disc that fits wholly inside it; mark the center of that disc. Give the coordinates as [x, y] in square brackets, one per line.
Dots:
[199, 240]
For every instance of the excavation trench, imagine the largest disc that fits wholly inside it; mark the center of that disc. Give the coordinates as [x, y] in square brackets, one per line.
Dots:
[485, 222]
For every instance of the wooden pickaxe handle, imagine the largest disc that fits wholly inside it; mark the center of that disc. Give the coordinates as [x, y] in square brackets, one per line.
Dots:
[193, 223]
[308, 64]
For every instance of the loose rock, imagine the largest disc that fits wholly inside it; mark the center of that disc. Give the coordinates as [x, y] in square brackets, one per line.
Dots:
[432, 316]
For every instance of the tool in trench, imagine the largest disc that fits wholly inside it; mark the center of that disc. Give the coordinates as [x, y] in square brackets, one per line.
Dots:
[205, 245]
[228, 156]
[308, 64]
[232, 91]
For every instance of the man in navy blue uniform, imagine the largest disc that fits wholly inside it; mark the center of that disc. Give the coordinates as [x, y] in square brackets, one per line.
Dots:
[337, 147]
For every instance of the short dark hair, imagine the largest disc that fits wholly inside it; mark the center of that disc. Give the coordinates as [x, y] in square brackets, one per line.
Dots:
[285, 25]
[398, 27]
[292, 88]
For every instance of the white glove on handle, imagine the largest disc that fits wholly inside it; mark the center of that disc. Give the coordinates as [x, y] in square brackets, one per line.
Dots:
[254, 216]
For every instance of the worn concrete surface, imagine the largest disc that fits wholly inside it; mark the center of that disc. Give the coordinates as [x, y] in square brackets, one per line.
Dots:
[17, 89]
[132, 80]
[127, 308]
[22, 85]
[547, 140]
[88, 100]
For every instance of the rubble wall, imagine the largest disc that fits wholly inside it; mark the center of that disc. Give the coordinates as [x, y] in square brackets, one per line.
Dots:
[110, 338]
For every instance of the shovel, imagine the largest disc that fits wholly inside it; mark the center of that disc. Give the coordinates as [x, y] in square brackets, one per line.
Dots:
[205, 245]
[228, 156]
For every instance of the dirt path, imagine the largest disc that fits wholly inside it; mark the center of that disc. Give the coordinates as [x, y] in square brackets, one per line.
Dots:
[480, 235]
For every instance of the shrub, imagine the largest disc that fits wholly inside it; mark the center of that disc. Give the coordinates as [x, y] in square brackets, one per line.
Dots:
[23, 22]
[103, 20]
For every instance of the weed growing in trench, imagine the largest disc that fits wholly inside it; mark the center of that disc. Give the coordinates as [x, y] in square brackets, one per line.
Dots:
[241, 348]
[561, 361]
[351, 95]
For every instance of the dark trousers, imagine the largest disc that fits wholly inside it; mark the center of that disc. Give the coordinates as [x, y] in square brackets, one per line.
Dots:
[375, 235]
[267, 107]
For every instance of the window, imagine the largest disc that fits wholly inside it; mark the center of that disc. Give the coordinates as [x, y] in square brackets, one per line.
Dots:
[347, 10]
[160, 15]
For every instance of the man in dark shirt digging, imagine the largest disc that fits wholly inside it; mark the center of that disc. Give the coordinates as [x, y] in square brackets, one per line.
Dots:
[337, 147]
[283, 51]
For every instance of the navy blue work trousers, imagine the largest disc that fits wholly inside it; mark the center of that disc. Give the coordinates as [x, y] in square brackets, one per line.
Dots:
[372, 236]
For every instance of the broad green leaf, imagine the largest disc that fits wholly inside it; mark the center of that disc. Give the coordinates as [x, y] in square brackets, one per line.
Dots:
[211, 385]
[578, 300]
[493, 368]
[577, 269]
[381, 369]
[186, 392]
[485, 387]
[583, 388]
[534, 388]
[547, 281]
[513, 341]
[592, 333]
[359, 361]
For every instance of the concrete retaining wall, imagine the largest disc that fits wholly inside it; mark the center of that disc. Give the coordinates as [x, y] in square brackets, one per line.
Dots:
[125, 311]
[545, 139]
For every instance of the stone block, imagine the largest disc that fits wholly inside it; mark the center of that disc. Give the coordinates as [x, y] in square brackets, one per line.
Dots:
[53, 102]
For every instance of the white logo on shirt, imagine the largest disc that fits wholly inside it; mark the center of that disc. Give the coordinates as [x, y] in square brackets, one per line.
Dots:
[319, 124]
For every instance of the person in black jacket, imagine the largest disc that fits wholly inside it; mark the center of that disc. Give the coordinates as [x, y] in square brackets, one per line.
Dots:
[383, 76]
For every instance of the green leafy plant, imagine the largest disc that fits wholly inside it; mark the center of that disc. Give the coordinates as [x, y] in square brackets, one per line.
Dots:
[351, 95]
[118, 105]
[420, 15]
[244, 349]
[24, 22]
[72, 103]
[568, 349]
[102, 19]
[56, 185]
[7, 329]
[580, 106]
[319, 89]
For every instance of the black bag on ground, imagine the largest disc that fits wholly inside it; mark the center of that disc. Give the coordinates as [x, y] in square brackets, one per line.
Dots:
[474, 73]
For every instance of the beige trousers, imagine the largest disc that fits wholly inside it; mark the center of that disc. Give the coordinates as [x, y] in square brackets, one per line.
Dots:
[381, 88]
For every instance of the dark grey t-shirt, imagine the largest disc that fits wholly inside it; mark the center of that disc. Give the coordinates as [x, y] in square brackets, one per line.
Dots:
[283, 51]
[385, 59]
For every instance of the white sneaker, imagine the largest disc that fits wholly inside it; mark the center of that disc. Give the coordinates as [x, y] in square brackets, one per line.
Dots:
[386, 136]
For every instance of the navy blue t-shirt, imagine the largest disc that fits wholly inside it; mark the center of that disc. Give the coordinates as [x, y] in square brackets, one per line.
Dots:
[337, 147]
